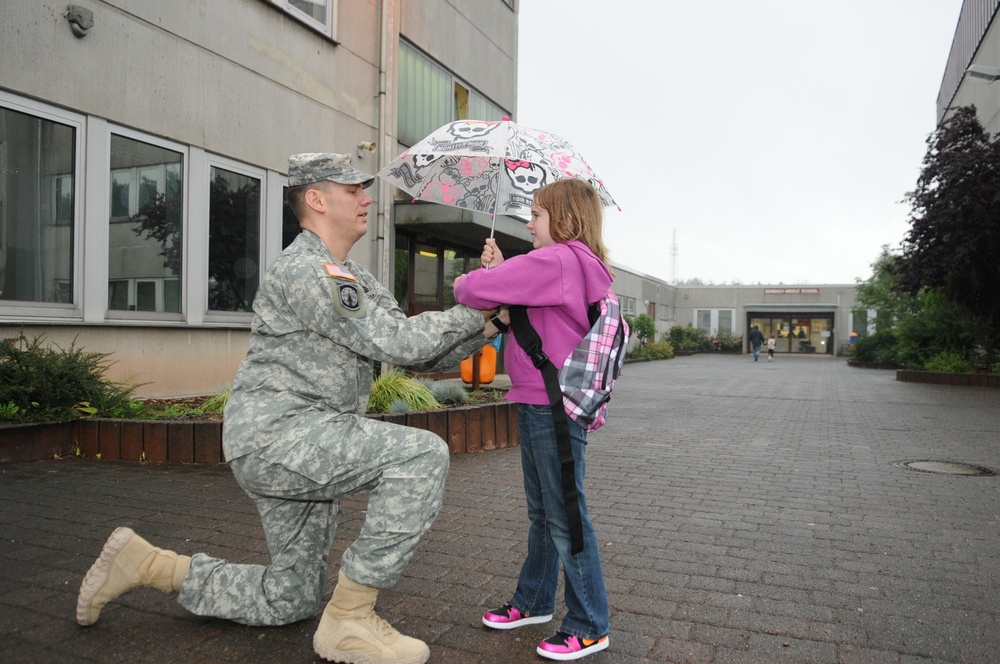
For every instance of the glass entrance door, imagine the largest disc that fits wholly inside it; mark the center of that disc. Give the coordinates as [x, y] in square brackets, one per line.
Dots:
[795, 334]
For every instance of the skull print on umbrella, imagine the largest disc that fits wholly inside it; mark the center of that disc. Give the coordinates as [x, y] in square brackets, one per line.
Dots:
[488, 166]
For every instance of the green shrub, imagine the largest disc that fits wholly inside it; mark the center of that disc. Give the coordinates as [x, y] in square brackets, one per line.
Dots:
[395, 385]
[939, 327]
[879, 348]
[948, 362]
[41, 383]
[688, 339]
[658, 350]
[727, 342]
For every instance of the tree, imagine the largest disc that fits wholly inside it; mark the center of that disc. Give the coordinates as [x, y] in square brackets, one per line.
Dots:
[954, 238]
[881, 292]
[642, 328]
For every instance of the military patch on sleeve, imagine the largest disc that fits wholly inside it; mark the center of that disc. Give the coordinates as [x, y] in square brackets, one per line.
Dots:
[335, 270]
[350, 299]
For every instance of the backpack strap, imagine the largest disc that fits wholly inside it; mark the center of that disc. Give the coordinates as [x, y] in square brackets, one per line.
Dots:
[528, 339]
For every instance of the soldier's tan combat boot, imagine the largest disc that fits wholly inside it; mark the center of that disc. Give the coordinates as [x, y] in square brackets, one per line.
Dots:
[350, 631]
[127, 561]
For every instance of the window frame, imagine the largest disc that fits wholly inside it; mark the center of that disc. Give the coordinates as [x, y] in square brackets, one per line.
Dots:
[117, 315]
[327, 29]
[261, 175]
[19, 310]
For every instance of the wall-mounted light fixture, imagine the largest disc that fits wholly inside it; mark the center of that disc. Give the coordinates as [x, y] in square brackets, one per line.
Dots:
[370, 146]
[81, 20]
[983, 73]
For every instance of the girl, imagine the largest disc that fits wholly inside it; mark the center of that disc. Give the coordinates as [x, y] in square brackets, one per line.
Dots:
[565, 272]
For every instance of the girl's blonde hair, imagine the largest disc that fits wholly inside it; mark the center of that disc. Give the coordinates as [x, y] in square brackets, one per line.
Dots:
[575, 213]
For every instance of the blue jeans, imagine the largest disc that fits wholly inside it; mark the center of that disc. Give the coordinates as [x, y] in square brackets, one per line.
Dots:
[548, 533]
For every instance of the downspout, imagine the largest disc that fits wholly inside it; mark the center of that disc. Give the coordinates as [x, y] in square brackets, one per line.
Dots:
[383, 249]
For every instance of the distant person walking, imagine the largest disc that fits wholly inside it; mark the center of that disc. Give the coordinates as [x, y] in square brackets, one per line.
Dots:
[756, 339]
[771, 342]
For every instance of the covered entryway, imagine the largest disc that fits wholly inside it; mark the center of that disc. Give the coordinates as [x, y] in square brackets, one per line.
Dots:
[806, 332]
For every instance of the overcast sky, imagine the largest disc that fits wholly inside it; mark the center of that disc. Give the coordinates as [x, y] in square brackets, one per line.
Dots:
[777, 138]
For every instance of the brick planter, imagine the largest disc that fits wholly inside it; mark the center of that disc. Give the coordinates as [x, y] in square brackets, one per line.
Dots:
[942, 378]
[467, 430]
[32, 442]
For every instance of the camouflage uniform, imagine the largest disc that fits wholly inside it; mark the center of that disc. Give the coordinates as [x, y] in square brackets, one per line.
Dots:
[297, 439]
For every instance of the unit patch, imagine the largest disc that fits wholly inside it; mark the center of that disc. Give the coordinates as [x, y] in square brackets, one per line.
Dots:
[349, 297]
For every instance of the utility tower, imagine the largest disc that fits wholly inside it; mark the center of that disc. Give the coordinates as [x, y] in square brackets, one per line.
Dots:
[673, 260]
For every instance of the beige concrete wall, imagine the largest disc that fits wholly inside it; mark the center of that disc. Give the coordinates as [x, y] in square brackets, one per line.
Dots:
[239, 78]
[174, 362]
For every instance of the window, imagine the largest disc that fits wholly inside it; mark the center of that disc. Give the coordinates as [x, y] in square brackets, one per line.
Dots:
[401, 272]
[481, 108]
[320, 15]
[153, 262]
[456, 263]
[38, 163]
[424, 95]
[714, 321]
[234, 221]
[429, 97]
[425, 275]
[145, 248]
[725, 320]
[435, 267]
[703, 320]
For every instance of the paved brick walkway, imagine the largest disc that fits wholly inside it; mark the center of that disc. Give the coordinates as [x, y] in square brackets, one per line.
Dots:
[746, 512]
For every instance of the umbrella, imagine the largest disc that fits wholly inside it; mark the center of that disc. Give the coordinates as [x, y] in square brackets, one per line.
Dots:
[488, 166]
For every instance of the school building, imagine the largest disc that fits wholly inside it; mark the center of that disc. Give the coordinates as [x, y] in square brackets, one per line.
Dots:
[808, 319]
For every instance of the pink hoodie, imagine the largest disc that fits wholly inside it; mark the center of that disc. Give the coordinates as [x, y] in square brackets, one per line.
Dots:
[559, 283]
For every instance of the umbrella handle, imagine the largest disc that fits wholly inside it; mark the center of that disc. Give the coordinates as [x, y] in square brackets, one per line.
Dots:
[493, 223]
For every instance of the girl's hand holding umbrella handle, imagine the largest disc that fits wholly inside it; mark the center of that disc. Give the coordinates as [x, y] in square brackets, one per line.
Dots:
[492, 256]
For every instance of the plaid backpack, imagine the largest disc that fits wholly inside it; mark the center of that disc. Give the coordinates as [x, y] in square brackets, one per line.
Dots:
[590, 371]
[582, 388]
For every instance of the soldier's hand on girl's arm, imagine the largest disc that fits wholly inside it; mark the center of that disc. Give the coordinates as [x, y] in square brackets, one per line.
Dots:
[489, 329]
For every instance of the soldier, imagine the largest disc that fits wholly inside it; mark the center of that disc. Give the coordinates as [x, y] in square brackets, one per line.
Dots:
[297, 440]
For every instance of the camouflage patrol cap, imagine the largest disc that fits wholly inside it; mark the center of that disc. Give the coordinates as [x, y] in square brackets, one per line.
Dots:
[309, 167]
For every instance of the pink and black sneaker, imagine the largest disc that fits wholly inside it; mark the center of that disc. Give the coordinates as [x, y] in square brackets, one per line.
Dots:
[507, 617]
[565, 647]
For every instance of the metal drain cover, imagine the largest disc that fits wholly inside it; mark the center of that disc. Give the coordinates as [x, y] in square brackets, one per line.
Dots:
[946, 467]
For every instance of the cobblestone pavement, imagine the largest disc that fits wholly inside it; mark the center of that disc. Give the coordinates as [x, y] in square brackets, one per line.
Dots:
[747, 512]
